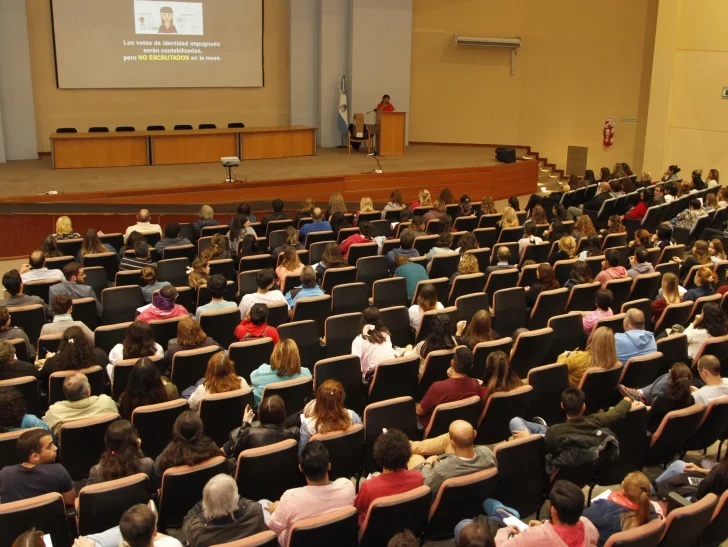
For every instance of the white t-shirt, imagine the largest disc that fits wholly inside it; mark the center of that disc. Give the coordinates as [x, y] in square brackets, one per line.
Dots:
[416, 314]
[271, 297]
[201, 392]
[707, 393]
[117, 354]
[370, 354]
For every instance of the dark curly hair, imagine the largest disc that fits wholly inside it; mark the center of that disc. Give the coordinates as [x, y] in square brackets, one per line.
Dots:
[75, 352]
[139, 341]
[714, 320]
[12, 408]
[189, 445]
[392, 450]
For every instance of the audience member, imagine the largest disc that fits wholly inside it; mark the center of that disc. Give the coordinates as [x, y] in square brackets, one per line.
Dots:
[639, 264]
[474, 533]
[270, 429]
[412, 272]
[635, 340]
[529, 237]
[700, 256]
[206, 217]
[171, 238]
[478, 330]
[669, 294]
[417, 226]
[304, 211]
[331, 258]
[222, 515]
[285, 364]
[458, 386]
[123, 456]
[218, 249]
[244, 209]
[704, 279]
[199, 274]
[403, 539]
[138, 342]
[141, 259]
[291, 240]
[10, 367]
[406, 248]
[583, 228]
[145, 386]
[566, 250]
[163, 306]
[499, 376]
[14, 289]
[546, 281]
[642, 238]
[336, 205]
[255, 325]
[220, 377]
[290, 264]
[318, 224]
[600, 353]
[468, 265]
[365, 235]
[62, 307]
[365, 206]
[639, 211]
[374, 344]
[78, 405]
[8, 332]
[676, 477]
[277, 205]
[610, 268]
[75, 352]
[437, 211]
[137, 528]
[49, 247]
[440, 337]
[189, 336]
[423, 200]
[677, 396]
[690, 216]
[73, 287]
[504, 256]
[14, 412]
[143, 225]
[326, 413]
[216, 286]
[396, 202]
[580, 273]
[240, 229]
[64, 229]
[265, 294]
[35, 270]
[318, 497]
[427, 300]
[38, 473]
[717, 251]
[307, 289]
[92, 244]
[338, 222]
[603, 299]
[710, 323]
[442, 246]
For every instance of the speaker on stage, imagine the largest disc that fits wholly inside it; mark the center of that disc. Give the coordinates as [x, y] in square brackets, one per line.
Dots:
[505, 154]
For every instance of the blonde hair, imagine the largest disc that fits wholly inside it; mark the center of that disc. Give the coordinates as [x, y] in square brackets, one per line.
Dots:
[568, 245]
[602, 350]
[286, 359]
[719, 250]
[64, 226]
[306, 205]
[510, 219]
[424, 198]
[585, 226]
[468, 264]
[704, 275]
[670, 292]
[646, 176]
[206, 212]
[366, 205]
[337, 204]
[711, 200]
[488, 206]
[636, 488]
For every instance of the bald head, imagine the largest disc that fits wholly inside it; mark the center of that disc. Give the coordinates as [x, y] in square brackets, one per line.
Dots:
[603, 187]
[144, 215]
[462, 434]
[76, 387]
[317, 214]
[36, 259]
[634, 320]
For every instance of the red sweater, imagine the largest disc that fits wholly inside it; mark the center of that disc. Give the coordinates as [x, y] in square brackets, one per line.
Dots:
[246, 327]
[638, 212]
[352, 240]
[386, 484]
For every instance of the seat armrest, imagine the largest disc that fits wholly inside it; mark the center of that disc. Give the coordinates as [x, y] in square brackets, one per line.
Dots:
[676, 501]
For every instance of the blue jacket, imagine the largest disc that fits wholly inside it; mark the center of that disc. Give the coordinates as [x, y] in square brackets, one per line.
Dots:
[313, 227]
[303, 293]
[698, 292]
[634, 343]
[264, 375]
[606, 516]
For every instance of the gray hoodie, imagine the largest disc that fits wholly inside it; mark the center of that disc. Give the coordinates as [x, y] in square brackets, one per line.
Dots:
[639, 269]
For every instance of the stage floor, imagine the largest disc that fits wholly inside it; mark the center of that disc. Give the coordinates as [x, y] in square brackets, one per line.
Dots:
[22, 178]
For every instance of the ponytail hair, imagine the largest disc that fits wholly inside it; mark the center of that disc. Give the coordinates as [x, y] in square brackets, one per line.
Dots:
[636, 488]
[680, 381]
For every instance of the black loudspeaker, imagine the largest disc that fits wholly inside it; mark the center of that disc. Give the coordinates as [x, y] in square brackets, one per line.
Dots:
[504, 154]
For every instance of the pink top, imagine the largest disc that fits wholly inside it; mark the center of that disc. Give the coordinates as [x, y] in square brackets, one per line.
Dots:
[309, 501]
[153, 314]
[605, 276]
[584, 534]
[282, 273]
[592, 317]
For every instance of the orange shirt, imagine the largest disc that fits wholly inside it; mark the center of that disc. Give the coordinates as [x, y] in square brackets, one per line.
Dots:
[381, 107]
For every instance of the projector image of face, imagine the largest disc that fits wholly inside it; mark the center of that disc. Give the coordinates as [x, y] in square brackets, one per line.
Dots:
[167, 26]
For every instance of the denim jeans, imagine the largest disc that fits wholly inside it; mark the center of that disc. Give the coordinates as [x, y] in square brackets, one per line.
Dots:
[656, 388]
[519, 424]
[673, 470]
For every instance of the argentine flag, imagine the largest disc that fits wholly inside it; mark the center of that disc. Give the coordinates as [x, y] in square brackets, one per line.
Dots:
[343, 109]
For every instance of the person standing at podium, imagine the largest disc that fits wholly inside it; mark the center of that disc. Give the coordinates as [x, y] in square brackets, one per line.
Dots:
[385, 105]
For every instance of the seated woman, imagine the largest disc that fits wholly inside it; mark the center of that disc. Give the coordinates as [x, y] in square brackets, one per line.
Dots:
[669, 294]
[468, 265]
[614, 226]
[592, 247]
[566, 250]
[92, 245]
[218, 249]
[206, 217]
[600, 353]
[304, 211]
[663, 237]
[291, 240]
[546, 282]
[163, 306]
[642, 238]
[423, 200]
[426, 301]
[14, 412]
[239, 228]
[717, 251]
[476, 331]
[583, 227]
[624, 509]
[326, 413]
[509, 220]
[690, 216]
[373, 345]
[468, 242]
[331, 258]
[580, 273]
[75, 352]
[538, 216]
[603, 299]
[249, 246]
[704, 279]
[499, 376]
[269, 429]
[442, 246]
[123, 456]
[439, 338]
[8, 332]
[138, 342]
[151, 284]
[709, 324]
[437, 211]
[285, 364]
[145, 386]
[220, 377]
[639, 211]
[675, 479]
[50, 248]
[10, 367]
[290, 265]
[64, 229]
[677, 396]
[199, 274]
[189, 446]
[189, 336]
[395, 202]
[365, 235]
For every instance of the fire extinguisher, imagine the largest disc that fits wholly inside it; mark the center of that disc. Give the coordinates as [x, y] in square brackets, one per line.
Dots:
[608, 132]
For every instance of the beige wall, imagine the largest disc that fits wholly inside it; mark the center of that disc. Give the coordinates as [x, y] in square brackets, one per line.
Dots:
[269, 105]
[579, 63]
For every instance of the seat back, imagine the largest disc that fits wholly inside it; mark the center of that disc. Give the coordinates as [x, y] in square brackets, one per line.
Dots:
[22, 351]
[644, 305]
[349, 298]
[345, 369]
[391, 515]
[674, 314]
[431, 316]
[614, 322]
[337, 276]
[469, 304]
[394, 378]
[29, 318]
[398, 413]
[28, 387]
[444, 265]
[717, 529]
[268, 471]
[674, 432]
[713, 426]
[645, 286]
[482, 255]
[221, 325]
[295, 393]
[100, 506]
[46, 513]
[82, 442]
[389, 292]
[39, 288]
[173, 270]
[562, 269]
[718, 347]
[548, 382]
[509, 309]
[598, 386]
[675, 350]
[670, 251]
[345, 450]
[446, 413]
[154, 424]
[109, 261]
[568, 335]
[371, 268]
[683, 526]
[510, 235]
[647, 535]
[436, 366]
[641, 371]
[466, 284]
[182, 488]
[315, 308]
[188, 366]
[107, 336]
[306, 336]
[165, 330]
[120, 304]
[361, 250]
[500, 279]
[337, 527]
[530, 350]
[481, 352]
[547, 304]
[620, 291]
[95, 375]
[249, 355]
[396, 319]
[499, 410]
[582, 296]
[521, 461]
[631, 433]
[222, 412]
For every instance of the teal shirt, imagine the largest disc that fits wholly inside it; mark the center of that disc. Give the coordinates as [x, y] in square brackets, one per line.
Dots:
[264, 375]
[413, 273]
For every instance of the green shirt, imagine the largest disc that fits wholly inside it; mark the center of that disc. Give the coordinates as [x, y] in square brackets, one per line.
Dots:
[413, 273]
[585, 425]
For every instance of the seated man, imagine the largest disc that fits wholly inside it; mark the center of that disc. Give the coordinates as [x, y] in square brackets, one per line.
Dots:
[171, 238]
[406, 248]
[137, 528]
[38, 474]
[566, 527]
[307, 289]
[610, 268]
[317, 498]
[216, 285]
[143, 225]
[457, 387]
[73, 286]
[318, 224]
[460, 457]
[222, 515]
[391, 452]
[79, 404]
[709, 369]
[255, 325]
[573, 403]
[635, 340]
[36, 269]
[142, 258]
[13, 284]
[504, 255]
[277, 214]
[62, 307]
[418, 227]
[266, 293]
[639, 264]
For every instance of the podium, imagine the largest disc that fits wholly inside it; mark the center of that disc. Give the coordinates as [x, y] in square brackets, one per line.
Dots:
[390, 131]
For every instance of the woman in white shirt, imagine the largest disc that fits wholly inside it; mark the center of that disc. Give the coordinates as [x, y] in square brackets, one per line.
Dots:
[373, 345]
[709, 324]
[426, 301]
[139, 342]
[220, 377]
[326, 413]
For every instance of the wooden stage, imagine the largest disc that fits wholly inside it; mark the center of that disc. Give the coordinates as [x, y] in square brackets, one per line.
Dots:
[107, 199]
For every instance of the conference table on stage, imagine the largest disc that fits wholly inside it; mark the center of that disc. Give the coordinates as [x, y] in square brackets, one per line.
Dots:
[127, 148]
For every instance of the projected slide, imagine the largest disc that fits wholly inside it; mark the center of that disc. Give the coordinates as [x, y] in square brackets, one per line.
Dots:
[158, 43]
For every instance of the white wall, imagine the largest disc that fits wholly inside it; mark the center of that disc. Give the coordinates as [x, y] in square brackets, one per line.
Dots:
[333, 63]
[304, 50]
[381, 51]
[17, 112]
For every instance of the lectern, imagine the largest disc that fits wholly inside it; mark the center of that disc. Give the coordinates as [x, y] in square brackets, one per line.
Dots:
[390, 131]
